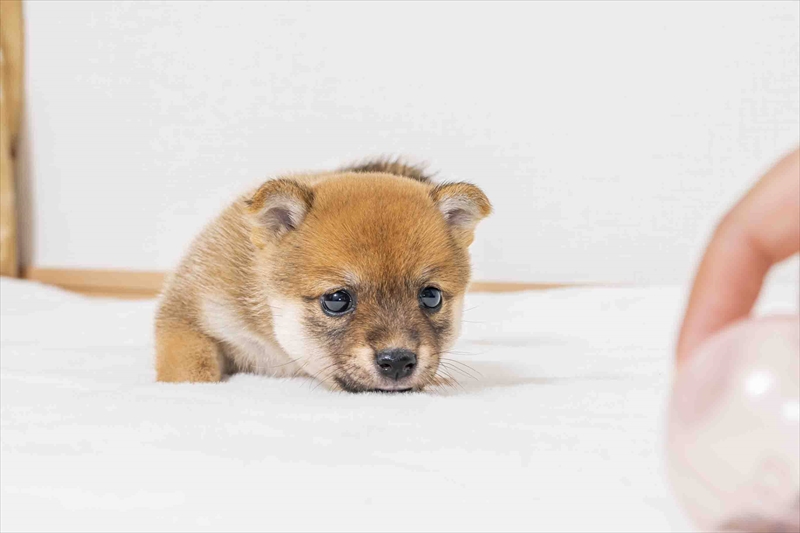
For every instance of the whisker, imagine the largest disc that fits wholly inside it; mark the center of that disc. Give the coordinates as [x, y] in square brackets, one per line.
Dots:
[299, 370]
[433, 383]
[462, 372]
[460, 363]
[452, 379]
[284, 364]
[459, 352]
[322, 380]
[456, 369]
[317, 374]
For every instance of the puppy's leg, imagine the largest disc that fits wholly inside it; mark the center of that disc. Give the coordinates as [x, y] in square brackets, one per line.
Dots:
[185, 354]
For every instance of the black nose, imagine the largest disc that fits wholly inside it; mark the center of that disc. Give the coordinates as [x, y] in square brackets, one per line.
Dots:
[396, 363]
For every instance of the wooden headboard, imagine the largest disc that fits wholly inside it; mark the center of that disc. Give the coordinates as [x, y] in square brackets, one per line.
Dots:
[11, 62]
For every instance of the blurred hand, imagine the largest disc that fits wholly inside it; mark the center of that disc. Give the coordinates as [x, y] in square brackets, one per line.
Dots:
[761, 230]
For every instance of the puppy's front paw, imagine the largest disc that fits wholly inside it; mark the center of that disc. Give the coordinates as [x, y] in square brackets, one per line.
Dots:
[183, 354]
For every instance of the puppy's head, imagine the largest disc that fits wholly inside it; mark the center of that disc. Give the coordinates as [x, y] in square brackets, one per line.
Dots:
[366, 274]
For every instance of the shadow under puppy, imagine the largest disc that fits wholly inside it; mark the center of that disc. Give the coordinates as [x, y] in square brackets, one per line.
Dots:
[355, 278]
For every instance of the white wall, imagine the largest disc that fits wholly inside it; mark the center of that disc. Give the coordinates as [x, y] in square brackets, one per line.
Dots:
[608, 136]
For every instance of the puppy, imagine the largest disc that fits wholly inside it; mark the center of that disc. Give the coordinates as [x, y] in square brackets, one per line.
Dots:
[355, 278]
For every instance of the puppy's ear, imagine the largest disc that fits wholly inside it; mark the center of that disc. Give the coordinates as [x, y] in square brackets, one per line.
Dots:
[462, 205]
[278, 207]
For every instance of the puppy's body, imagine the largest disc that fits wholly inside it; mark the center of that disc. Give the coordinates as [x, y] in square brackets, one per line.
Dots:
[254, 291]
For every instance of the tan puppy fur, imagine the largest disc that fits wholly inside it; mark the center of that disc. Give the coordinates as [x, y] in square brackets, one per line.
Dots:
[255, 291]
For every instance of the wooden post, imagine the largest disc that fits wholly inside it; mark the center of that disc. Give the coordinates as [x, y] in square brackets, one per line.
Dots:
[11, 64]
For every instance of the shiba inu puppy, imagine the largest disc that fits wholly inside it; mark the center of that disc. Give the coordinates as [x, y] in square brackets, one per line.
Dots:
[355, 278]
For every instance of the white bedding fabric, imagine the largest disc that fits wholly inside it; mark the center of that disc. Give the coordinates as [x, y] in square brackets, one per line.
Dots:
[562, 430]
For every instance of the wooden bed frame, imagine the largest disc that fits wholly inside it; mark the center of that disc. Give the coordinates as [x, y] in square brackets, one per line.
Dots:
[136, 285]
[11, 64]
[123, 284]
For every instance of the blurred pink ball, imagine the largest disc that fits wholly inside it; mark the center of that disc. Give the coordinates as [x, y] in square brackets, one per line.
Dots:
[734, 429]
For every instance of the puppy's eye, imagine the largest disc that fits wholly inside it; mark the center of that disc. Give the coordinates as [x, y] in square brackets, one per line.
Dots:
[337, 303]
[430, 298]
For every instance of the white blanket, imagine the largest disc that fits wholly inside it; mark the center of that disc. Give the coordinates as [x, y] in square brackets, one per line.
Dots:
[562, 429]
